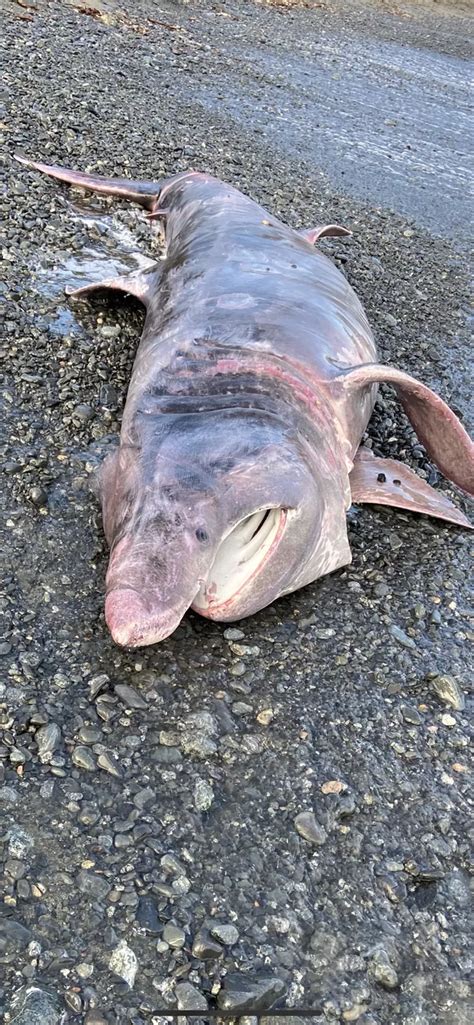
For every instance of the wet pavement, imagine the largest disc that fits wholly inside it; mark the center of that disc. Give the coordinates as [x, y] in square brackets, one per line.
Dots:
[277, 810]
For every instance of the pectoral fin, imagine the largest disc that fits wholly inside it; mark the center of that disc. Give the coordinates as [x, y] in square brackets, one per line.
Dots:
[145, 193]
[140, 283]
[389, 482]
[438, 428]
[322, 231]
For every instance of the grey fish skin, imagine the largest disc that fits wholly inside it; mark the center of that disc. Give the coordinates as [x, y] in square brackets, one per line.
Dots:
[252, 386]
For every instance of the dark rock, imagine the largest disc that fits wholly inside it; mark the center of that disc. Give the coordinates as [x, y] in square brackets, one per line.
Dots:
[34, 1006]
[249, 994]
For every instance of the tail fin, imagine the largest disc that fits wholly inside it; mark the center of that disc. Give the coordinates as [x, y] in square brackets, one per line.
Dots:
[143, 192]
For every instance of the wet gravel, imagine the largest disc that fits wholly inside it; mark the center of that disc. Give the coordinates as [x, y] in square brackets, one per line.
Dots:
[272, 812]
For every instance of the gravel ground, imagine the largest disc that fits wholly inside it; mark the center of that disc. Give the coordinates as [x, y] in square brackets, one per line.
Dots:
[277, 810]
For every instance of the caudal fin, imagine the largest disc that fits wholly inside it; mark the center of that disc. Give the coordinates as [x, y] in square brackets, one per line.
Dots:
[145, 193]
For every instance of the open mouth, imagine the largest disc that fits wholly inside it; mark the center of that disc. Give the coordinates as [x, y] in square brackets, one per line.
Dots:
[239, 559]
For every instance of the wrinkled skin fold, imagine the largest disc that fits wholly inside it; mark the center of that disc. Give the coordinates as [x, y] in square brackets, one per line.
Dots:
[253, 384]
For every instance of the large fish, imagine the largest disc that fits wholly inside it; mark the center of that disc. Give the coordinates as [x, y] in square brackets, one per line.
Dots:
[252, 386]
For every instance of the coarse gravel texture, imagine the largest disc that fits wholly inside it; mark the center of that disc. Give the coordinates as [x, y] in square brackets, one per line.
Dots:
[277, 810]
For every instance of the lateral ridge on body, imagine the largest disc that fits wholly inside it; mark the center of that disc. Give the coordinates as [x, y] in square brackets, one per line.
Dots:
[253, 384]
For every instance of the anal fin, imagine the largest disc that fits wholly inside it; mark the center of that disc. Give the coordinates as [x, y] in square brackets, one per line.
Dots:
[389, 482]
[140, 283]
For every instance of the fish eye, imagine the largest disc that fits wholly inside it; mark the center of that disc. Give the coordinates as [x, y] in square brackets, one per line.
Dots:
[202, 535]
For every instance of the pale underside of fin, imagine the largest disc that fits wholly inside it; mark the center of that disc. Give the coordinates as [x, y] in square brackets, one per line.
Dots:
[323, 231]
[389, 482]
[437, 426]
[140, 283]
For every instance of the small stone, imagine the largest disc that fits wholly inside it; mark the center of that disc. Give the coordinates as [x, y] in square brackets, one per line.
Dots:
[382, 970]
[172, 866]
[84, 970]
[265, 716]
[38, 496]
[82, 757]
[130, 697]
[226, 934]
[198, 744]
[48, 739]
[147, 916]
[174, 936]
[447, 689]
[204, 947]
[249, 994]
[89, 735]
[411, 715]
[109, 763]
[123, 963]
[98, 684]
[73, 1001]
[189, 998]
[203, 795]
[234, 634]
[110, 331]
[93, 885]
[14, 868]
[448, 720]
[20, 843]
[83, 411]
[310, 829]
[332, 786]
[402, 638]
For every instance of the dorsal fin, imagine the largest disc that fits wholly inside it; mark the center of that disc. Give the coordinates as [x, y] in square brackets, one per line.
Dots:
[322, 231]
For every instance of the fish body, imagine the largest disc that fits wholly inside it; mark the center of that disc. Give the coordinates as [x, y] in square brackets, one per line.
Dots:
[253, 384]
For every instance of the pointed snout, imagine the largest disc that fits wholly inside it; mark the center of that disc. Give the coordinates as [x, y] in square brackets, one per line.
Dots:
[131, 622]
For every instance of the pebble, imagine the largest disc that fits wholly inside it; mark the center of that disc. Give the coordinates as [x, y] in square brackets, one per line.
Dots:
[189, 998]
[233, 634]
[48, 739]
[174, 936]
[97, 684]
[82, 757]
[34, 1006]
[411, 715]
[84, 970]
[203, 795]
[448, 720]
[109, 763]
[249, 994]
[147, 916]
[310, 829]
[448, 690]
[89, 735]
[93, 885]
[382, 970]
[39, 496]
[123, 962]
[130, 697]
[226, 934]
[402, 638]
[204, 947]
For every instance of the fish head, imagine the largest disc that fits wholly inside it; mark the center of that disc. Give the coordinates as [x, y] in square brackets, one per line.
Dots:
[224, 514]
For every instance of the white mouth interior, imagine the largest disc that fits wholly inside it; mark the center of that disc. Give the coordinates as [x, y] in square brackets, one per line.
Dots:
[239, 557]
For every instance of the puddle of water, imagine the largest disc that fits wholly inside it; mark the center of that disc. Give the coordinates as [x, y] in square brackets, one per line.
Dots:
[92, 264]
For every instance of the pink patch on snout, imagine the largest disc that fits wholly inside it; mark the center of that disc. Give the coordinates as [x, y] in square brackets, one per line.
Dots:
[129, 621]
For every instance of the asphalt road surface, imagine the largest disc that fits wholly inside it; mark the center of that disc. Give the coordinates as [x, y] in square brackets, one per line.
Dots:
[150, 845]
